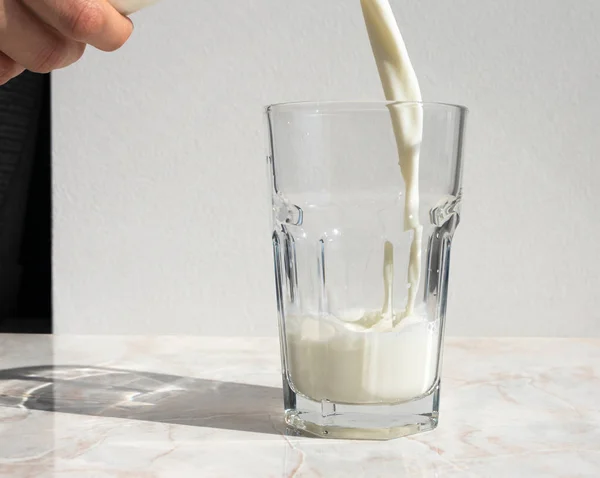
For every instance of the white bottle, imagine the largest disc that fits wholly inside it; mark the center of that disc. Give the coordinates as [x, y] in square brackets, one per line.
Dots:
[127, 7]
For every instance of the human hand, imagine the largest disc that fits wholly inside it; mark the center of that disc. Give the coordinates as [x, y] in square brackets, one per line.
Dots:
[44, 35]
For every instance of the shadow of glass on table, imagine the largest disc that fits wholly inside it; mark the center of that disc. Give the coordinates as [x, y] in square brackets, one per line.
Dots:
[148, 396]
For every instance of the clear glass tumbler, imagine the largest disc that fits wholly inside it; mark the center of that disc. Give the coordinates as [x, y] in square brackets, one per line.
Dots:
[361, 261]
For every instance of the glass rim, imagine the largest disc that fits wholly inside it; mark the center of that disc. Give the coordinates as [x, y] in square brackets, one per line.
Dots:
[355, 105]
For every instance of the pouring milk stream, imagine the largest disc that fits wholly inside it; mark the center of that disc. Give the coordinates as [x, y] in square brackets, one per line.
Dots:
[400, 83]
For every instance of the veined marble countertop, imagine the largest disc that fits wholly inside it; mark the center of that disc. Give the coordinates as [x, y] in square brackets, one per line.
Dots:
[87, 406]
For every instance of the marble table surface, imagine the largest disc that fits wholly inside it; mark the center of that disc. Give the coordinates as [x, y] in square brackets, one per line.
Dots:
[83, 406]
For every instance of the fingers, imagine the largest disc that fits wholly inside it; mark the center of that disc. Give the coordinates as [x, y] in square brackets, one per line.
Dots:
[43, 35]
[8, 68]
[94, 22]
[29, 43]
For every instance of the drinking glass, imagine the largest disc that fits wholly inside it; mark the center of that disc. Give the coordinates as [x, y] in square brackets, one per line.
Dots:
[360, 358]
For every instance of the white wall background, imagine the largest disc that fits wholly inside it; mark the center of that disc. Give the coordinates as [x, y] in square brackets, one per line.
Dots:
[159, 175]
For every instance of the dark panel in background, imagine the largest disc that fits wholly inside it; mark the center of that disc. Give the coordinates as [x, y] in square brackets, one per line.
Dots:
[25, 205]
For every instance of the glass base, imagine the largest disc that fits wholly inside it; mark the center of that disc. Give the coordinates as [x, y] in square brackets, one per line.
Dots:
[360, 422]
